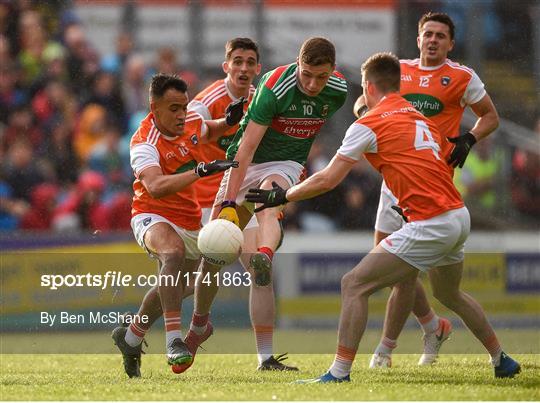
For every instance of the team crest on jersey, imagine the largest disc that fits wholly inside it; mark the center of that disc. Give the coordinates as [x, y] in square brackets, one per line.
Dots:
[194, 140]
[324, 110]
[445, 80]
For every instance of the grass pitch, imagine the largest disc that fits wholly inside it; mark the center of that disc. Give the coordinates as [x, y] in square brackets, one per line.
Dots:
[233, 376]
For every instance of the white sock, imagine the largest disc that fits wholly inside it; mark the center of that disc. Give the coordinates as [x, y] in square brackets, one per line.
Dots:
[132, 339]
[496, 358]
[340, 369]
[429, 322]
[198, 329]
[386, 346]
[262, 357]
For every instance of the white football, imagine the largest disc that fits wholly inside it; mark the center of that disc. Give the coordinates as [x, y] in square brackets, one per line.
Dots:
[220, 242]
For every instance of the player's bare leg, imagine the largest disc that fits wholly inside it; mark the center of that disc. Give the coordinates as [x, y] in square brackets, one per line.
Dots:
[395, 318]
[200, 329]
[445, 282]
[151, 303]
[268, 235]
[377, 270]
[261, 309]
[436, 330]
[261, 301]
[164, 243]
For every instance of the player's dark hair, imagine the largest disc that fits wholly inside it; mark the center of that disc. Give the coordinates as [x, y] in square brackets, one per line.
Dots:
[240, 43]
[317, 51]
[162, 82]
[438, 17]
[383, 70]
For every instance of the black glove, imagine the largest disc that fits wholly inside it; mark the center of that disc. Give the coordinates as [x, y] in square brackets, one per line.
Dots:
[463, 145]
[235, 112]
[399, 210]
[209, 168]
[268, 198]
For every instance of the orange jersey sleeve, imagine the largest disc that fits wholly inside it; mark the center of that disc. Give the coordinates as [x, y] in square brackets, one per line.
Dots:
[211, 104]
[405, 147]
[441, 93]
[173, 155]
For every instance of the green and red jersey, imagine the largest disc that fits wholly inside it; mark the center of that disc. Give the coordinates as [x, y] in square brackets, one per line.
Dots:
[293, 118]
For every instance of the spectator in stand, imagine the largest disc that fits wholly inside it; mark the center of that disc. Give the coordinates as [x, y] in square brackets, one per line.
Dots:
[82, 60]
[167, 62]
[83, 209]
[105, 158]
[319, 214]
[11, 208]
[10, 95]
[5, 50]
[525, 181]
[114, 63]
[34, 45]
[135, 87]
[55, 69]
[58, 149]
[9, 20]
[361, 190]
[54, 102]
[43, 201]
[20, 169]
[90, 130]
[106, 92]
[21, 126]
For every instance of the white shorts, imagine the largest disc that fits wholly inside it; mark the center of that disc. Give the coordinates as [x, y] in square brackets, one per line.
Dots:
[435, 242]
[388, 220]
[142, 222]
[207, 211]
[256, 173]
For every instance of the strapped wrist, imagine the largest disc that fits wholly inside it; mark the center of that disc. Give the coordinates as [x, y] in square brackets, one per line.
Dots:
[361, 111]
[471, 138]
[228, 203]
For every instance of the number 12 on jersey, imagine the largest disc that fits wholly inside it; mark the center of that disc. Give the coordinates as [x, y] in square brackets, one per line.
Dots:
[424, 139]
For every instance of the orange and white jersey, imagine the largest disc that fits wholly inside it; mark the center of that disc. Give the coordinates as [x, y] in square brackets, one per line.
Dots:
[405, 147]
[211, 104]
[149, 148]
[441, 93]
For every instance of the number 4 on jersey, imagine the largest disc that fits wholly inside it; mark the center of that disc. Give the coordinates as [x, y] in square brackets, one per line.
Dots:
[424, 139]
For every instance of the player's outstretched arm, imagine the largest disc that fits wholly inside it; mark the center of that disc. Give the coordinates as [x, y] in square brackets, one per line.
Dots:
[159, 185]
[323, 181]
[317, 184]
[218, 127]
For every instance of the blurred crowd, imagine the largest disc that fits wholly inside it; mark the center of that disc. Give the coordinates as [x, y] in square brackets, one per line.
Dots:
[67, 114]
